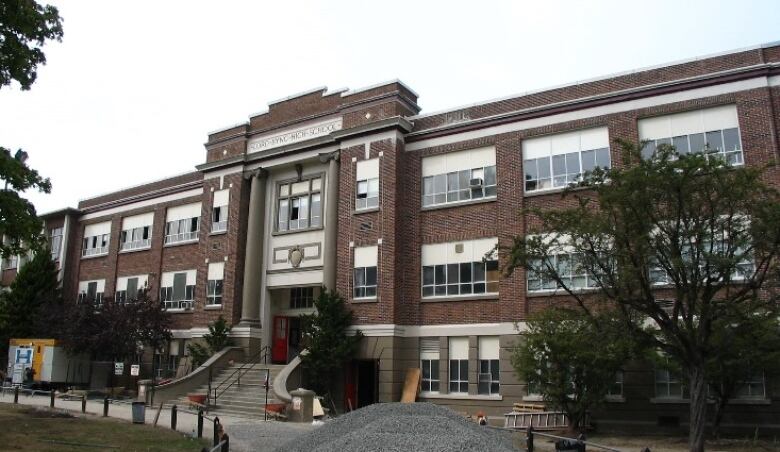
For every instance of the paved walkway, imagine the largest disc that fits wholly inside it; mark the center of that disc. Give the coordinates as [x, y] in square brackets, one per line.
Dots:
[245, 434]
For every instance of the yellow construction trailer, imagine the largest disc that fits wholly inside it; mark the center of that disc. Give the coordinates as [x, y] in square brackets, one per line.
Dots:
[45, 363]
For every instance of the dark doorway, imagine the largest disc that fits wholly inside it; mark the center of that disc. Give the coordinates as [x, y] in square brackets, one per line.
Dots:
[366, 375]
[295, 338]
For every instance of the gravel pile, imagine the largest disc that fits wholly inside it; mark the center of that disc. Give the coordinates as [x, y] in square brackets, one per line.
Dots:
[401, 427]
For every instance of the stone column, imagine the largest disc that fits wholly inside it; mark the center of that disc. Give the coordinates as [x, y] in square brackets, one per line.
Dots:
[331, 221]
[253, 260]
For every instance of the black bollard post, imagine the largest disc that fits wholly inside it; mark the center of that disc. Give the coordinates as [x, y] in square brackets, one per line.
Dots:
[216, 430]
[105, 406]
[51, 398]
[16, 394]
[529, 439]
[83, 404]
[173, 417]
[200, 423]
[226, 445]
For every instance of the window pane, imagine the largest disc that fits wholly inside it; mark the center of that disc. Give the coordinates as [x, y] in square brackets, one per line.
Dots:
[371, 276]
[648, 149]
[427, 291]
[602, 158]
[465, 272]
[714, 141]
[559, 165]
[360, 277]
[681, 144]
[479, 271]
[452, 274]
[544, 167]
[490, 175]
[428, 276]
[588, 160]
[427, 185]
[464, 370]
[362, 189]
[696, 142]
[573, 163]
[440, 274]
[440, 183]
[731, 140]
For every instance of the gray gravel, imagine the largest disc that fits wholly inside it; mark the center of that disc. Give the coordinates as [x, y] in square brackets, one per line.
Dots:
[401, 427]
[259, 436]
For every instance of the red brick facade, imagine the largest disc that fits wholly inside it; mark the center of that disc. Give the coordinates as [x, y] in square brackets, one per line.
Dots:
[381, 122]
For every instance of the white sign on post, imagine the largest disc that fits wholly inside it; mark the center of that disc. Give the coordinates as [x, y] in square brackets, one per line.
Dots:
[135, 370]
[119, 368]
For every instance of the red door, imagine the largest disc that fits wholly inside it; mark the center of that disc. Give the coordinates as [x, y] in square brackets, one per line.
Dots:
[279, 346]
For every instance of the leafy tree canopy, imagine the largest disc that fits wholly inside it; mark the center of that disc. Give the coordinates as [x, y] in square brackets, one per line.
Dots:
[686, 241]
[572, 359]
[25, 26]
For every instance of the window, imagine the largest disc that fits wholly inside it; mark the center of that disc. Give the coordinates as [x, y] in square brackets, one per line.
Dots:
[214, 284]
[219, 211]
[177, 289]
[367, 194]
[367, 177]
[459, 365]
[488, 382]
[55, 243]
[616, 388]
[129, 288]
[96, 239]
[753, 388]
[136, 232]
[714, 131]
[136, 238]
[429, 364]
[182, 224]
[459, 176]
[455, 269]
[558, 160]
[299, 205]
[301, 297]
[668, 384]
[568, 267]
[91, 291]
[364, 273]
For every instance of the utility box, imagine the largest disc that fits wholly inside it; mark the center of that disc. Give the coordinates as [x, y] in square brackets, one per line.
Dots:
[302, 405]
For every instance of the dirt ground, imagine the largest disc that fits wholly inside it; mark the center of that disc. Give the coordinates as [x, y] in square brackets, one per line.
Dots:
[658, 444]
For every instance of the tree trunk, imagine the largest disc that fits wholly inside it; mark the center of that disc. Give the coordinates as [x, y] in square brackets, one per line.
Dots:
[698, 409]
[720, 408]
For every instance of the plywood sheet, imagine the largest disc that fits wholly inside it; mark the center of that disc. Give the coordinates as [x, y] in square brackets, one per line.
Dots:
[411, 386]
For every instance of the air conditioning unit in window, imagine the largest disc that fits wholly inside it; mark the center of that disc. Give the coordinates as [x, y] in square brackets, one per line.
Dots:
[475, 182]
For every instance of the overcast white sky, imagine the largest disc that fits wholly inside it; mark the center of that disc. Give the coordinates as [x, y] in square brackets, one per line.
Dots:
[133, 89]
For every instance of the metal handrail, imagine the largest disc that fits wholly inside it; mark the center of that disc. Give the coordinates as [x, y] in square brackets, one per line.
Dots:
[261, 355]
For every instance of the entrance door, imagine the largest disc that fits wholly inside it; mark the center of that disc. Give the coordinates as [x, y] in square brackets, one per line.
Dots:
[366, 382]
[294, 341]
[279, 346]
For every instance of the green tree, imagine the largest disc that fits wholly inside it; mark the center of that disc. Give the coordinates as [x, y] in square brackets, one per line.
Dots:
[25, 26]
[25, 308]
[327, 342]
[690, 230]
[745, 347]
[557, 356]
[113, 331]
[217, 338]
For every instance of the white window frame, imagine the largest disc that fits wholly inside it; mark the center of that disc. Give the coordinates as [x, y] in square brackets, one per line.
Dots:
[301, 297]
[367, 194]
[166, 294]
[92, 250]
[189, 234]
[309, 216]
[136, 238]
[664, 378]
[55, 245]
[577, 145]
[218, 224]
[215, 285]
[445, 189]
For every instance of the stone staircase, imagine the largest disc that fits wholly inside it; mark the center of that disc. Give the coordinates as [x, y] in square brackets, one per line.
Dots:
[244, 398]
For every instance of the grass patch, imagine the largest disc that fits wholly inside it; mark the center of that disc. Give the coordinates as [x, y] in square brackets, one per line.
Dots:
[40, 429]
